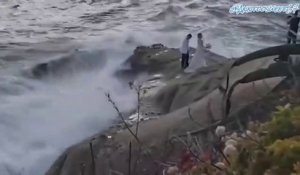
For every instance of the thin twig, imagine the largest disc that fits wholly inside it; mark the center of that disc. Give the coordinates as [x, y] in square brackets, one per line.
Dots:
[223, 155]
[121, 116]
[194, 155]
[137, 159]
[188, 147]
[203, 129]
[198, 145]
[129, 161]
[93, 159]
[217, 123]
[189, 139]
[138, 90]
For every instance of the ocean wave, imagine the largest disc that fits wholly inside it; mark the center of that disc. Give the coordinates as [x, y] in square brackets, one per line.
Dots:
[194, 5]
[103, 16]
[14, 85]
[70, 64]
[169, 11]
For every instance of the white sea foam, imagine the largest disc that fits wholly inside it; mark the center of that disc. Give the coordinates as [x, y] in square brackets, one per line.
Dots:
[38, 119]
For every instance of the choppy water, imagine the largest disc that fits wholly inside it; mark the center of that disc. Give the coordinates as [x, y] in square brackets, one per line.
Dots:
[39, 118]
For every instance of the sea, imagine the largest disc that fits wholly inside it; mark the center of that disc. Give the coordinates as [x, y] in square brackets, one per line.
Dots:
[86, 42]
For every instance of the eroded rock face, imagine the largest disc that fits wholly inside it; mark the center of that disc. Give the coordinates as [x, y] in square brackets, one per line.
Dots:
[153, 59]
[251, 67]
[161, 59]
[155, 135]
[191, 88]
[194, 91]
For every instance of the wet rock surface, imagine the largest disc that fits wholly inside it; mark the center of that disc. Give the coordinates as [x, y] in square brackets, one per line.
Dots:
[198, 92]
[158, 58]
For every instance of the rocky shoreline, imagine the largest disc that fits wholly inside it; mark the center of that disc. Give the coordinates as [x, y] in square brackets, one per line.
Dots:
[182, 104]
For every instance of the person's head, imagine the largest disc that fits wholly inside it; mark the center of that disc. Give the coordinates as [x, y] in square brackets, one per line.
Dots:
[200, 35]
[296, 12]
[189, 36]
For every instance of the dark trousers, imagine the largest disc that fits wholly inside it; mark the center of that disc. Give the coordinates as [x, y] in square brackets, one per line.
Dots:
[291, 38]
[184, 61]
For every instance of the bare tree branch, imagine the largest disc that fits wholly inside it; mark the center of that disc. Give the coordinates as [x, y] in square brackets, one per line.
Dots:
[129, 161]
[93, 158]
[121, 116]
[138, 91]
[193, 154]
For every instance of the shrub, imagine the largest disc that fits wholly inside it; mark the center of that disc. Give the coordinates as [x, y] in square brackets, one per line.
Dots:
[285, 153]
[285, 124]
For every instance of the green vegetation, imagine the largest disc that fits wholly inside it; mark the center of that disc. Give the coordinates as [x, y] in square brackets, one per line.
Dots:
[273, 148]
[275, 152]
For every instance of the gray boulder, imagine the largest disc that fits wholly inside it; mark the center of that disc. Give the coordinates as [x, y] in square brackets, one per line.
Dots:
[201, 93]
[161, 59]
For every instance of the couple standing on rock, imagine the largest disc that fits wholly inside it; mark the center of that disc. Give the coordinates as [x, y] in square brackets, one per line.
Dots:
[198, 60]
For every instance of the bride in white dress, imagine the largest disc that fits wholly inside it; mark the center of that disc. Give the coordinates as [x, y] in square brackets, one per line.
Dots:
[198, 59]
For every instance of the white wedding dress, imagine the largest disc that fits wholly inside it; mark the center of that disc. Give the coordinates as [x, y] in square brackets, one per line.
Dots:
[198, 59]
